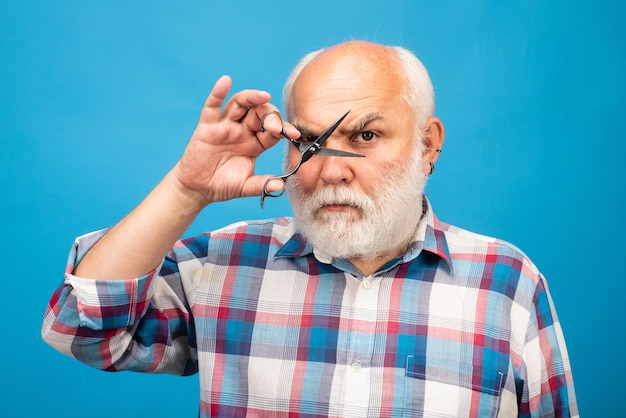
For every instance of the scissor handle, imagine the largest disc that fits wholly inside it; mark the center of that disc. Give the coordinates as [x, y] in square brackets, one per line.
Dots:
[282, 122]
[266, 193]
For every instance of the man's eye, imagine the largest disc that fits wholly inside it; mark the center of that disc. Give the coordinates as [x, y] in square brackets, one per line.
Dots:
[367, 136]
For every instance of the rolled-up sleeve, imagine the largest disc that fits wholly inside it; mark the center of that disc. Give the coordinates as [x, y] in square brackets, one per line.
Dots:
[114, 324]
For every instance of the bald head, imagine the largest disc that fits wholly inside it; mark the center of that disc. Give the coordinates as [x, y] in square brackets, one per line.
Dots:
[354, 55]
[364, 62]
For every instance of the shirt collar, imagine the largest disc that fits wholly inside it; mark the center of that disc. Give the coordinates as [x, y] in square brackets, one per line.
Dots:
[430, 236]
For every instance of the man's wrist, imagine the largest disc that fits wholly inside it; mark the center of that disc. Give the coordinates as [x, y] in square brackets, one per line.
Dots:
[186, 200]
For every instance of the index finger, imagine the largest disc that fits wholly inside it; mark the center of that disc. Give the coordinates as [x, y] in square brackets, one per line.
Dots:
[213, 105]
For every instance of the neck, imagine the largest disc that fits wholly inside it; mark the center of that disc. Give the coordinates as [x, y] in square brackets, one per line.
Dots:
[369, 266]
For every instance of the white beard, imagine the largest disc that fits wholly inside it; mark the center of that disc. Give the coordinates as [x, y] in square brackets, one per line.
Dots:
[377, 226]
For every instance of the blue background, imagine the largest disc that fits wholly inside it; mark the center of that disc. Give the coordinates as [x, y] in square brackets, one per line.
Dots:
[98, 99]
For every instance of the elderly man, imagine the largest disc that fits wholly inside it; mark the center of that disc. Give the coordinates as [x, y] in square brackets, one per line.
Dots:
[364, 304]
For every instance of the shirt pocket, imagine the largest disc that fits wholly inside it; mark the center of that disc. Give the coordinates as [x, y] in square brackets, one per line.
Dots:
[440, 387]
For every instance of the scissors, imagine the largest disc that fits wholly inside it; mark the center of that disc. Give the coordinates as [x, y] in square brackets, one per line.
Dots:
[307, 150]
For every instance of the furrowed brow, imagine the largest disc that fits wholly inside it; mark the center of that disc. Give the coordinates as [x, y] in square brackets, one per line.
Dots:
[360, 124]
[357, 126]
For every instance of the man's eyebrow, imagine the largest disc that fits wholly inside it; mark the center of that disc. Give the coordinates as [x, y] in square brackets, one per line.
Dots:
[304, 129]
[360, 124]
[357, 126]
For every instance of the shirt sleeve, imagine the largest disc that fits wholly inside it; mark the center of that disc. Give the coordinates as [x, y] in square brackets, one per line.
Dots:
[117, 324]
[548, 386]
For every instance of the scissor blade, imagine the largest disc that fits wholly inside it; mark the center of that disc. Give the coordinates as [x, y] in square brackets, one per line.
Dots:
[316, 146]
[328, 132]
[325, 151]
[337, 153]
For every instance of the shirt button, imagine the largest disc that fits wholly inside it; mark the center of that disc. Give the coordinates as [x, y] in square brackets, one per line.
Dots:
[356, 366]
[367, 285]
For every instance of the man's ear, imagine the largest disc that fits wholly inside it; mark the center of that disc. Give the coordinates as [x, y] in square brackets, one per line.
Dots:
[432, 136]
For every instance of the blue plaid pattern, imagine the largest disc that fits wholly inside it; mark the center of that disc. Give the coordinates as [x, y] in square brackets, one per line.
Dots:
[461, 325]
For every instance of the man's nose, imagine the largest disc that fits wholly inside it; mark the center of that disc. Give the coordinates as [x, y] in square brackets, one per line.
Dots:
[336, 169]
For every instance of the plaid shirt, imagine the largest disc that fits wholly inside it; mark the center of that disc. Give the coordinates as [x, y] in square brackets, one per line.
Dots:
[460, 325]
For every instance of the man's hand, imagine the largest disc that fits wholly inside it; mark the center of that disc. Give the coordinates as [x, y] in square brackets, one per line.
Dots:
[218, 163]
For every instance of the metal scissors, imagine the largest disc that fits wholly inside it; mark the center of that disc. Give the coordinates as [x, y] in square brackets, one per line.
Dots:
[307, 150]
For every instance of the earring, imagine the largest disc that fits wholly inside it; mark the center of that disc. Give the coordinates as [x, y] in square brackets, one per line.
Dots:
[432, 167]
